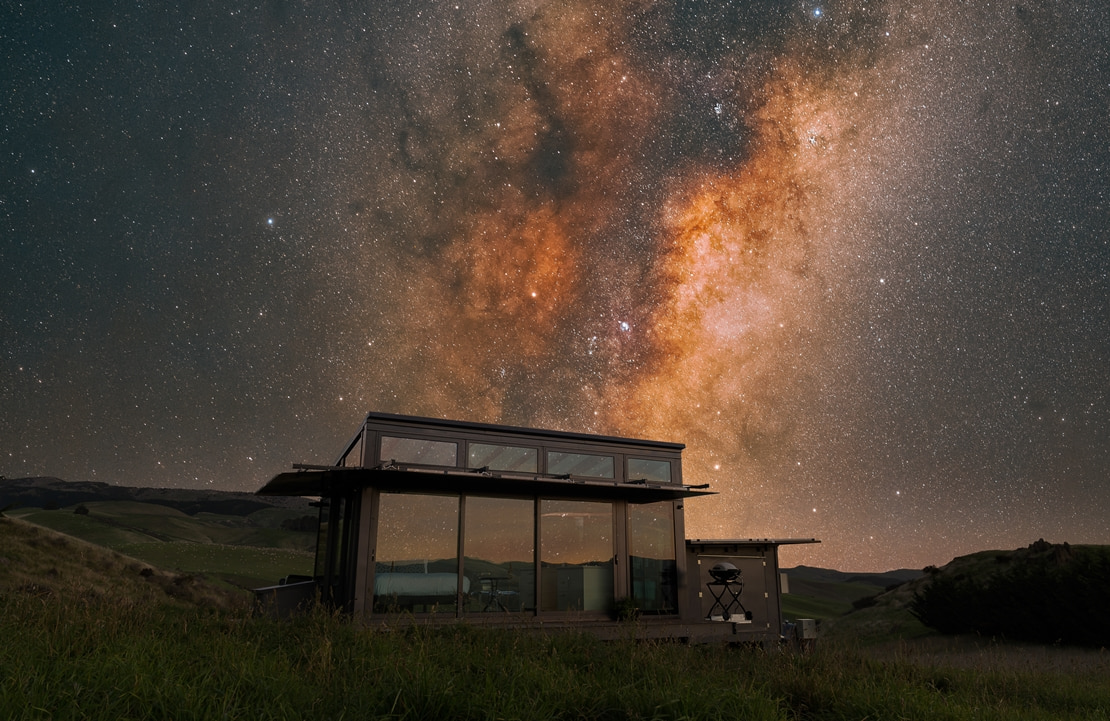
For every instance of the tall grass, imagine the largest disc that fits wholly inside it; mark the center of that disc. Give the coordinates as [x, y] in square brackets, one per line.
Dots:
[90, 659]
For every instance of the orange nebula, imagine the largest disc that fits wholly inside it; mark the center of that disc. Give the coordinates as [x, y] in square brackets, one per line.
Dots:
[735, 339]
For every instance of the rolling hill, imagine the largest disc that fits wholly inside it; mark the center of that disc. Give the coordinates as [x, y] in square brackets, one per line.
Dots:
[37, 562]
[240, 539]
[887, 614]
[823, 594]
[51, 493]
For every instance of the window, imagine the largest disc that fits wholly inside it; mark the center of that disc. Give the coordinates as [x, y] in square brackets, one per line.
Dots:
[503, 458]
[353, 457]
[327, 537]
[417, 565]
[649, 470]
[419, 450]
[652, 569]
[499, 562]
[576, 555]
[579, 464]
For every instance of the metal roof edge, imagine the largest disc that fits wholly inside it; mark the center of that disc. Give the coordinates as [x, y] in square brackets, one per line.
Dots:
[322, 480]
[765, 541]
[541, 432]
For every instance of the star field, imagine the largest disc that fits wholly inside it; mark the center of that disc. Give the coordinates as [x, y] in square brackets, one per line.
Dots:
[855, 255]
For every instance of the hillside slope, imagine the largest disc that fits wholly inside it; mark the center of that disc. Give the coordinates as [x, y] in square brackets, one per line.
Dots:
[823, 593]
[887, 615]
[242, 539]
[49, 492]
[36, 562]
[246, 551]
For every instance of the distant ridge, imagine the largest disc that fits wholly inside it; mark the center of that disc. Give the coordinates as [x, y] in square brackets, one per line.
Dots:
[885, 579]
[42, 563]
[888, 613]
[50, 492]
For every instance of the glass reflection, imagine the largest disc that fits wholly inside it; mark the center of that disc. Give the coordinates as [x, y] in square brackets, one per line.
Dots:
[503, 458]
[417, 567]
[353, 457]
[649, 470]
[579, 464]
[419, 450]
[498, 566]
[576, 555]
[651, 551]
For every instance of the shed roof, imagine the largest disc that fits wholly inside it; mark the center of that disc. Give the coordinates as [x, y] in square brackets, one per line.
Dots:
[693, 542]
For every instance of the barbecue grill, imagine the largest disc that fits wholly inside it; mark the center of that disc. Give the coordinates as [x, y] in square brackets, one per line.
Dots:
[725, 572]
[726, 587]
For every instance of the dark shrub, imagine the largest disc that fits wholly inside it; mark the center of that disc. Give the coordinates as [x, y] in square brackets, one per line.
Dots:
[1042, 599]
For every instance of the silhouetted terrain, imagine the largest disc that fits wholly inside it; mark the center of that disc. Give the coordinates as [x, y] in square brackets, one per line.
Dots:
[808, 577]
[48, 492]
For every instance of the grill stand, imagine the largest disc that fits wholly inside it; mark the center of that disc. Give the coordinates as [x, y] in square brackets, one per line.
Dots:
[726, 596]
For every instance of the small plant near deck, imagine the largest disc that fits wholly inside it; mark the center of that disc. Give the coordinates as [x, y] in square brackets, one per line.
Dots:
[626, 609]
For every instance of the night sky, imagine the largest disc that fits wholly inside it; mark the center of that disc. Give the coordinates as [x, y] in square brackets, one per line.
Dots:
[855, 255]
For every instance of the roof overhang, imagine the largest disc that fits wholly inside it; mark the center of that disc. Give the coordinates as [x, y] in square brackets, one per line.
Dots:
[328, 482]
[695, 542]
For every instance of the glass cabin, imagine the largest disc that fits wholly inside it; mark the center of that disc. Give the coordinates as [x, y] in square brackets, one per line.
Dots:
[435, 519]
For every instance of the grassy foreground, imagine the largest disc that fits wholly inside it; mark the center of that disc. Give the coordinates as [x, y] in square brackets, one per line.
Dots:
[81, 659]
[92, 634]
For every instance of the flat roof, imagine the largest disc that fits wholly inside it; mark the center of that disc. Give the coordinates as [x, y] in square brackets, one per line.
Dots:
[423, 422]
[326, 481]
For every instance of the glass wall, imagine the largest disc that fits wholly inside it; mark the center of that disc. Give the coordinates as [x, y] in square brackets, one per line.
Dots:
[419, 450]
[645, 469]
[353, 457]
[417, 562]
[503, 458]
[652, 569]
[576, 555]
[499, 562]
[579, 464]
[417, 568]
[324, 535]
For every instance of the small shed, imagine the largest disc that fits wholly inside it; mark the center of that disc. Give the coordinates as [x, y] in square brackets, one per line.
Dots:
[436, 520]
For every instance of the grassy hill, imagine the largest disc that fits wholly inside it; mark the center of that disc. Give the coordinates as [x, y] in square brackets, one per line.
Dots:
[51, 493]
[826, 594]
[247, 551]
[886, 616]
[39, 563]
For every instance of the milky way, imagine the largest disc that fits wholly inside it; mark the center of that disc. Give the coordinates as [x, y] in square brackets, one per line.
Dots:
[854, 255]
